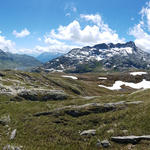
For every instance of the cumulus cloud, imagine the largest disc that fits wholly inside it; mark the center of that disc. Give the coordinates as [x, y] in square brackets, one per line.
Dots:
[99, 32]
[73, 35]
[64, 38]
[6, 45]
[141, 31]
[94, 18]
[21, 34]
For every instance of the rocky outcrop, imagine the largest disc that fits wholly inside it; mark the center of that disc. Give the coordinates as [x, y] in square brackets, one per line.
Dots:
[42, 95]
[130, 139]
[13, 134]
[88, 132]
[86, 109]
[105, 56]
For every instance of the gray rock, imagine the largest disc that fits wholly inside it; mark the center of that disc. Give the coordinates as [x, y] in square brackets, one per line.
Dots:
[42, 95]
[125, 131]
[86, 109]
[88, 132]
[11, 147]
[134, 102]
[130, 139]
[105, 143]
[110, 131]
[98, 144]
[5, 120]
[13, 134]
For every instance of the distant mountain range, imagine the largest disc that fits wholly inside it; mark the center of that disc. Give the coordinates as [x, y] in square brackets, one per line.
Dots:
[16, 61]
[47, 56]
[100, 57]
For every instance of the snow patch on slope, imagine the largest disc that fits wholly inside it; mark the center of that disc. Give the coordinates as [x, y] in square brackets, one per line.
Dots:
[117, 85]
[137, 73]
[72, 77]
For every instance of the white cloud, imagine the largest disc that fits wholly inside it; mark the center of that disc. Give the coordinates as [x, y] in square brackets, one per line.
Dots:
[21, 34]
[6, 45]
[94, 18]
[73, 35]
[99, 32]
[141, 31]
[39, 39]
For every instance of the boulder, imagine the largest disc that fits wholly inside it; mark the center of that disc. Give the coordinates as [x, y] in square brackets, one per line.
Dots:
[105, 143]
[5, 119]
[130, 139]
[88, 132]
[42, 95]
[13, 134]
[110, 131]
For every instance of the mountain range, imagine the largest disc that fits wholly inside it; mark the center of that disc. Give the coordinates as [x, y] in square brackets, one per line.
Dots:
[16, 61]
[47, 56]
[120, 56]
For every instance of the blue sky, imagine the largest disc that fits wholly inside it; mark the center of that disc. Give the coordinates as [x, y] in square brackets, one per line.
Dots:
[36, 26]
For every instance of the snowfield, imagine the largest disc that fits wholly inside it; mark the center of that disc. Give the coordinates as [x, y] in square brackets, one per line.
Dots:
[72, 77]
[137, 73]
[117, 85]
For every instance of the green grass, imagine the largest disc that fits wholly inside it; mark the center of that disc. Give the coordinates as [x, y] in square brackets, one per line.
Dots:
[61, 132]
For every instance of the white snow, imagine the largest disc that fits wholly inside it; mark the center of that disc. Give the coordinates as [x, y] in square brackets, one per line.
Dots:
[72, 77]
[98, 58]
[117, 85]
[84, 53]
[137, 73]
[102, 78]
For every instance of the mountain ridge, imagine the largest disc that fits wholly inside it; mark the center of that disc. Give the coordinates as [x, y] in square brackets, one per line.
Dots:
[47, 56]
[17, 61]
[110, 56]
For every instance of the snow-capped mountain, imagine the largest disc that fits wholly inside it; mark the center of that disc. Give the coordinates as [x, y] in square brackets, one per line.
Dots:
[108, 56]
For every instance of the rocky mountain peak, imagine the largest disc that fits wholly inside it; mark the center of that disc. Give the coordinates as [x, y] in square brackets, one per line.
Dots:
[108, 56]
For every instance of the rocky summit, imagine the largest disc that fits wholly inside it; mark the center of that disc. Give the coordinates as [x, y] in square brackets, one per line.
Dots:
[100, 57]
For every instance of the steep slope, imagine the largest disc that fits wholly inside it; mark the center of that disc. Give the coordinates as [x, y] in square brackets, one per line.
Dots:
[47, 56]
[102, 56]
[16, 61]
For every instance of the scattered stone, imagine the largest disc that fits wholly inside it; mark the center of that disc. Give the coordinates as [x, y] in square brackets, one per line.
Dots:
[7, 126]
[11, 147]
[130, 139]
[88, 132]
[98, 144]
[13, 134]
[130, 146]
[115, 125]
[102, 126]
[5, 119]
[105, 143]
[110, 131]
[125, 131]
